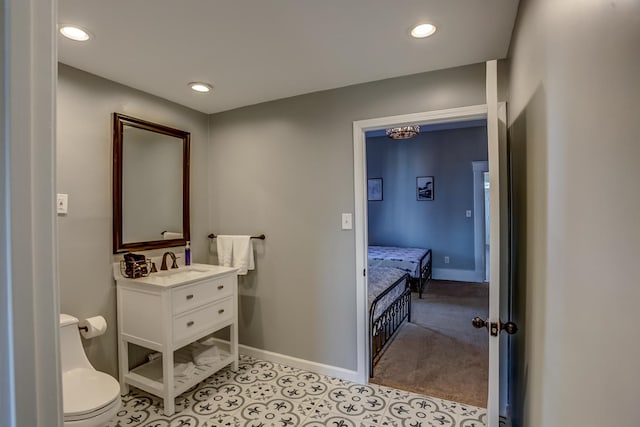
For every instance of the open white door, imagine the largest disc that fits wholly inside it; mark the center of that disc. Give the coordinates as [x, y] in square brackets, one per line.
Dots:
[498, 258]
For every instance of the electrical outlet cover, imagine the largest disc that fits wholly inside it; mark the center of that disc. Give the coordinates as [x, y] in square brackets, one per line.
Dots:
[62, 203]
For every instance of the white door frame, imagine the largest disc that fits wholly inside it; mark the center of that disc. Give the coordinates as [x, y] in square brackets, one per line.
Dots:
[474, 112]
[31, 389]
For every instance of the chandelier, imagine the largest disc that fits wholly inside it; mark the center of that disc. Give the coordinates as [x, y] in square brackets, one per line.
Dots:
[403, 132]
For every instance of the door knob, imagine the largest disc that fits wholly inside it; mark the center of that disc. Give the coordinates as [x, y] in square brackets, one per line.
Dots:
[494, 328]
[478, 323]
[509, 327]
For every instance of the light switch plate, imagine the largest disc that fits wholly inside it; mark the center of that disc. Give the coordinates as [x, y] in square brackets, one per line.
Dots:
[62, 204]
[468, 213]
[347, 221]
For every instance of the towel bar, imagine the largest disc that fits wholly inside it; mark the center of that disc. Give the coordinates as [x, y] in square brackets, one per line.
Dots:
[261, 236]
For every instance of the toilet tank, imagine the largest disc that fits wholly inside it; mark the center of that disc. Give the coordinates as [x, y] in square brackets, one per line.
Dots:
[72, 354]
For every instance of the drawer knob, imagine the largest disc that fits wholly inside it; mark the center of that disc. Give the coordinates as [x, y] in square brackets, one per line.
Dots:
[190, 296]
[220, 287]
[221, 311]
[190, 323]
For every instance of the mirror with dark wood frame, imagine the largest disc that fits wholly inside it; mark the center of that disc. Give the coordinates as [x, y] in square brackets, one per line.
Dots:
[150, 185]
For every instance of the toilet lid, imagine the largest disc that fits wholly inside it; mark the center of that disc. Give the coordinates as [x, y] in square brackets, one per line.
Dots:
[111, 409]
[87, 390]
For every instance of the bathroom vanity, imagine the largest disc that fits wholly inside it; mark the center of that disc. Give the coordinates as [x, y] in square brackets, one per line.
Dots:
[168, 312]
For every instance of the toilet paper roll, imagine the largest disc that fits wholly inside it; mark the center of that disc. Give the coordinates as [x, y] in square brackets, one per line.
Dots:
[93, 327]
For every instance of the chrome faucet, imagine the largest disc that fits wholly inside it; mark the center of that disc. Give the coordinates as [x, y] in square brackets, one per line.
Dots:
[164, 261]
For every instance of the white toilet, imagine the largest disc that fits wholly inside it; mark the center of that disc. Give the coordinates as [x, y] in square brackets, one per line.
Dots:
[90, 398]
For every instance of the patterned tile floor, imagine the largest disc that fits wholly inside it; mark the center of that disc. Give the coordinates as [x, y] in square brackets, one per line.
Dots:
[265, 394]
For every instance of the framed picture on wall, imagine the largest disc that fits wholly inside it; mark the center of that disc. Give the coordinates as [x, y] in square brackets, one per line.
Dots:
[374, 189]
[424, 188]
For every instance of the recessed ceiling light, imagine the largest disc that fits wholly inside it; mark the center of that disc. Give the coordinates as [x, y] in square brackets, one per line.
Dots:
[201, 87]
[75, 33]
[423, 30]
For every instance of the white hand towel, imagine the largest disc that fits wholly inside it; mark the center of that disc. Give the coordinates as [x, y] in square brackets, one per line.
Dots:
[236, 251]
[225, 250]
[205, 354]
[243, 254]
[169, 235]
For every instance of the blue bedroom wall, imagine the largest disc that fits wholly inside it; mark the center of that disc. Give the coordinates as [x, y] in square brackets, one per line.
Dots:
[400, 220]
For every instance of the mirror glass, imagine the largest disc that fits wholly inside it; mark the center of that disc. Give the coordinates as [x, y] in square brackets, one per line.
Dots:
[151, 185]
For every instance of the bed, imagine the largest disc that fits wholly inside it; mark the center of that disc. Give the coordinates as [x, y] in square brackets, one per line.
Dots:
[389, 299]
[415, 261]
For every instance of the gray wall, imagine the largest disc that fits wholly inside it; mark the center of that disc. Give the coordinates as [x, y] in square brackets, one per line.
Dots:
[285, 168]
[574, 130]
[400, 220]
[84, 171]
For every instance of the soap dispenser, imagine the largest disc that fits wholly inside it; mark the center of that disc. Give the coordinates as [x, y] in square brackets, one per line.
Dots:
[187, 253]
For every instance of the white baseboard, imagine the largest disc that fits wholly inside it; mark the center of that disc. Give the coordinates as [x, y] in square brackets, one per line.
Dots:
[456, 275]
[318, 368]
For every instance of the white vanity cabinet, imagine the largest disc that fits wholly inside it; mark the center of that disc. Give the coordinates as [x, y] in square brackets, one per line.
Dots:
[168, 312]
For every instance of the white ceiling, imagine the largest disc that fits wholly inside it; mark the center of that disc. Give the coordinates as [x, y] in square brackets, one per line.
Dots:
[261, 50]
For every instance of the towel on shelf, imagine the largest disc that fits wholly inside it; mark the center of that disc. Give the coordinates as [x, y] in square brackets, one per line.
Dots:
[237, 252]
[208, 341]
[205, 354]
[170, 235]
[184, 369]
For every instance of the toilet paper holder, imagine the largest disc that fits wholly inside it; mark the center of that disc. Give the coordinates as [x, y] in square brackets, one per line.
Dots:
[92, 327]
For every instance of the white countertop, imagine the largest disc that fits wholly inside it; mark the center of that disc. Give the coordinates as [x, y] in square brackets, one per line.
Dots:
[176, 276]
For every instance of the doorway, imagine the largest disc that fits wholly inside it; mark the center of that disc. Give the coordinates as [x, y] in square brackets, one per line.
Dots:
[436, 353]
[494, 113]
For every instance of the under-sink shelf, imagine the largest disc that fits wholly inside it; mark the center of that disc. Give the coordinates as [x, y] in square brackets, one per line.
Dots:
[149, 376]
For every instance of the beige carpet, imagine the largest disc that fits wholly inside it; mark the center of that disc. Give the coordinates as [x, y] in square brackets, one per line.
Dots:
[440, 354]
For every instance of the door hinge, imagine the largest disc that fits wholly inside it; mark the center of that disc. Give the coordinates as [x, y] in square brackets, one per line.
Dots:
[364, 272]
[504, 421]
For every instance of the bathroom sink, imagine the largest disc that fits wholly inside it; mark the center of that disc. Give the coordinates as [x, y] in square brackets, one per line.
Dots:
[181, 275]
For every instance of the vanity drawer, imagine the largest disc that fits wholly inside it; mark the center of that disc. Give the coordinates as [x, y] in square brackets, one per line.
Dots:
[200, 320]
[192, 296]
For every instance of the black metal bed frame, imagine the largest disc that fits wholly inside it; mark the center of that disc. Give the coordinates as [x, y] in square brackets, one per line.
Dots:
[425, 272]
[382, 328]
